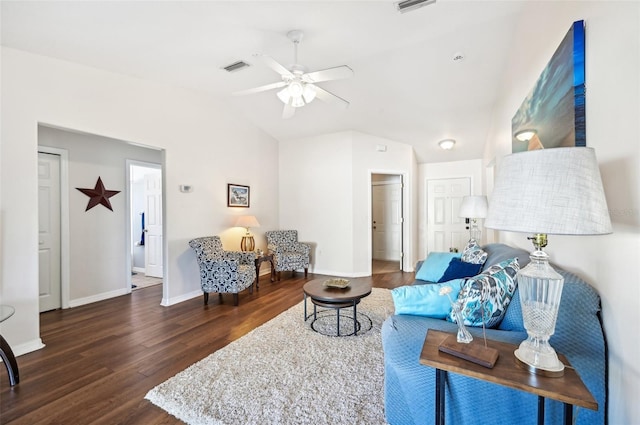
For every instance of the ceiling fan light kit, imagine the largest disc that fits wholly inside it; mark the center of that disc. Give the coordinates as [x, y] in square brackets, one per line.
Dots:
[298, 87]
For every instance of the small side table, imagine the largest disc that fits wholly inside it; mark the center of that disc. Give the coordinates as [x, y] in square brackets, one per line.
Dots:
[569, 389]
[259, 260]
[6, 353]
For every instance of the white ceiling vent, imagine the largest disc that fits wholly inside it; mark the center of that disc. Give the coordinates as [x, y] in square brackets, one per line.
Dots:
[409, 5]
[236, 66]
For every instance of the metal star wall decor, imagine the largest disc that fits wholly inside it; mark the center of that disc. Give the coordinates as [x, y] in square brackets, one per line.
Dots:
[99, 195]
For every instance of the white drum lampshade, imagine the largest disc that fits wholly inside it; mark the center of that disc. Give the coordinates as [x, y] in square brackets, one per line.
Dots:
[554, 191]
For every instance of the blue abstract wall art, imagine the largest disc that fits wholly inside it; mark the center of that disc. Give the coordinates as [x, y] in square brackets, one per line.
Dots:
[553, 113]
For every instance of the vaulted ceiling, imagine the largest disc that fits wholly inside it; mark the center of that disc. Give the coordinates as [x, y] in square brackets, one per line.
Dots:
[407, 87]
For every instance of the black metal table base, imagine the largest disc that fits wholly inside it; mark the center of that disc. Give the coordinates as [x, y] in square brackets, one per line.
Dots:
[440, 409]
[327, 313]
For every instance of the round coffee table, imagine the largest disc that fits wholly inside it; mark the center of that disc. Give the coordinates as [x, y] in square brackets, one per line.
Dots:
[335, 298]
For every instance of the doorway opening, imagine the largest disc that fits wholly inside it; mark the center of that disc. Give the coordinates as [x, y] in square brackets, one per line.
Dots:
[386, 223]
[145, 223]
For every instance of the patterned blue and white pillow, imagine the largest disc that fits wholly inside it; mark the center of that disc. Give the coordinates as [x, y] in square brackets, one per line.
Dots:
[485, 297]
[472, 253]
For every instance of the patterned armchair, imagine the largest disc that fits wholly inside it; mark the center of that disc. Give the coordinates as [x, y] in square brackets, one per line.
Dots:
[288, 253]
[223, 271]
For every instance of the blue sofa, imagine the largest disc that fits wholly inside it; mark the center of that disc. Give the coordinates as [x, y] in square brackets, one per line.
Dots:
[410, 386]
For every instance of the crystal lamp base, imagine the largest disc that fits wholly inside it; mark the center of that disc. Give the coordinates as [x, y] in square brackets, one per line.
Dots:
[540, 290]
[539, 360]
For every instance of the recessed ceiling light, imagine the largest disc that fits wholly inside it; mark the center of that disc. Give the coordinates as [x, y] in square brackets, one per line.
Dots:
[447, 144]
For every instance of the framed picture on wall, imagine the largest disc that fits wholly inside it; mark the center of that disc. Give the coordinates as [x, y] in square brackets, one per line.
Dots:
[237, 195]
[553, 113]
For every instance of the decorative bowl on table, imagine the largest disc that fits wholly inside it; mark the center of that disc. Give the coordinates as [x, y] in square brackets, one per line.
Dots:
[336, 283]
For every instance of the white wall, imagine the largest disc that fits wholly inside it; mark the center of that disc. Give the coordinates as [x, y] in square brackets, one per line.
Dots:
[204, 144]
[97, 238]
[325, 186]
[471, 169]
[609, 263]
[398, 158]
[316, 198]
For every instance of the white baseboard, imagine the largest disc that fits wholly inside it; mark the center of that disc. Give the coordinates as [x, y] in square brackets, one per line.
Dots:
[98, 297]
[166, 302]
[264, 272]
[138, 269]
[27, 347]
[340, 274]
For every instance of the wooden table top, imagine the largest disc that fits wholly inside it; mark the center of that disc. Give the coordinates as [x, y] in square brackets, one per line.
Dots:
[567, 389]
[355, 291]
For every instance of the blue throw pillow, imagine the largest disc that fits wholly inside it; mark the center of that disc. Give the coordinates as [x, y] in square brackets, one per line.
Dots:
[435, 265]
[459, 269]
[485, 297]
[472, 253]
[425, 300]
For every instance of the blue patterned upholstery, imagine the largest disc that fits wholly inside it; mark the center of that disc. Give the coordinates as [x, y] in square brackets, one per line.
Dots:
[223, 271]
[410, 387]
[288, 253]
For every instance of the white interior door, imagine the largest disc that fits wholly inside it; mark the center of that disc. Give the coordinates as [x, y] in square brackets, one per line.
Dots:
[153, 224]
[387, 221]
[445, 230]
[49, 231]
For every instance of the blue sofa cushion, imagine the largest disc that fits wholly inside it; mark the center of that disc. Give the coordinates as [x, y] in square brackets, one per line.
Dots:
[435, 265]
[484, 298]
[409, 391]
[459, 269]
[425, 300]
[472, 253]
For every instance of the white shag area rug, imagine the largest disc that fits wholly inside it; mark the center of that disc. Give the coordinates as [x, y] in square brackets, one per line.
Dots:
[285, 373]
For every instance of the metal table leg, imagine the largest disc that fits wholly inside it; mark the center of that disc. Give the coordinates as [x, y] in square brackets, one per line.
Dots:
[355, 315]
[9, 361]
[540, 410]
[568, 414]
[440, 378]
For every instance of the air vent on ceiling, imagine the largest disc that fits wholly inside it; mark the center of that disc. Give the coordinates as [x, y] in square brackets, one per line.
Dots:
[409, 5]
[236, 66]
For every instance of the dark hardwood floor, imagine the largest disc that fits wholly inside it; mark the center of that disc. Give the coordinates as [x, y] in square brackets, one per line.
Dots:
[101, 359]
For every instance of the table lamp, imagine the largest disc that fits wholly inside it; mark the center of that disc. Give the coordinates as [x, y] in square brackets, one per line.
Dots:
[473, 208]
[554, 191]
[247, 221]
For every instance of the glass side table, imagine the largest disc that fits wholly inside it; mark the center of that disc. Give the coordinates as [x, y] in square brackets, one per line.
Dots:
[6, 353]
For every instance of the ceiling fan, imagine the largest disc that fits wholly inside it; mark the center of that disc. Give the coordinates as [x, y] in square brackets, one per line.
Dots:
[298, 86]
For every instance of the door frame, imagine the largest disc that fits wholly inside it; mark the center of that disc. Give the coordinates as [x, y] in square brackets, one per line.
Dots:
[405, 225]
[129, 223]
[65, 266]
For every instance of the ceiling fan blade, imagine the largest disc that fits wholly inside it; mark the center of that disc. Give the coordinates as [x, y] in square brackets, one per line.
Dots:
[337, 73]
[271, 63]
[261, 88]
[288, 111]
[329, 97]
